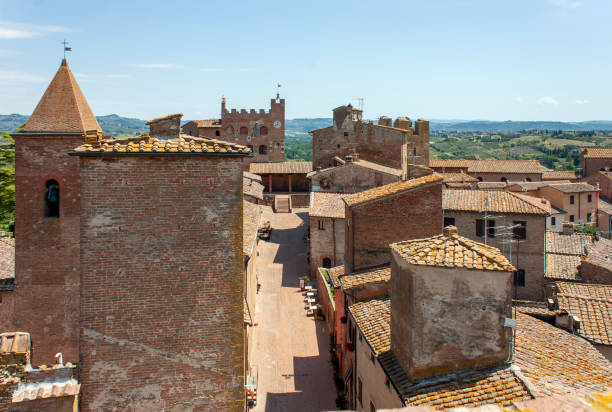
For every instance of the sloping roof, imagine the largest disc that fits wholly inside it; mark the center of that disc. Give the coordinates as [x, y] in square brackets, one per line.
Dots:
[373, 318]
[147, 144]
[525, 186]
[562, 266]
[452, 163]
[215, 123]
[600, 254]
[377, 167]
[7, 258]
[504, 166]
[166, 117]
[494, 201]
[573, 187]
[252, 187]
[452, 251]
[364, 277]
[532, 307]
[390, 189]
[252, 176]
[592, 304]
[598, 152]
[491, 185]
[29, 391]
[324, 204]
[557, 362]
[334, 274]
[570, 244]
[246, 313]
[559, 175]
[604, 206]
[63, 107]
[458, 178]
[250, 224]
[280, 168]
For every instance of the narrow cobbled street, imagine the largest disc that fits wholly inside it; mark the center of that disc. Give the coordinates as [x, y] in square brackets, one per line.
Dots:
[290, 350]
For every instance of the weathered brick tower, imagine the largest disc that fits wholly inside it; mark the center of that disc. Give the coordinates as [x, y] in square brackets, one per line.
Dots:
[45, 301]
[161, 303]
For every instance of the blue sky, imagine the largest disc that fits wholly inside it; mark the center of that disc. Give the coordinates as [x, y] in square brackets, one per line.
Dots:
[459, 59]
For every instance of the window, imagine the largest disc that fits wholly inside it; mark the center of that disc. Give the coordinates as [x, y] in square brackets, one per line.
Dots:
[503, 179]
[244, 131]
[449, 221]
[589, 198]
[321, 225]
[326, 263]
[528, 179]
[217, 133]
[553, 221]
[590, 217]
[519, 278]
[571, 218]
[520, 232]
[52, 198]
[480, 178]
[372, 407]
[263, 149]
[263, 131]
[491, 228]
[359, 390]
[571, 199]
[345, 135]
[480, 227]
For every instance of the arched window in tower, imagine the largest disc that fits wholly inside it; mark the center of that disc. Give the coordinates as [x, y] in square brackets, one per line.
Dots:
[217, 133]
[503, 179]
[263, 149]
[52, 198]
[327, 263]
[263, 131]
[244, 131]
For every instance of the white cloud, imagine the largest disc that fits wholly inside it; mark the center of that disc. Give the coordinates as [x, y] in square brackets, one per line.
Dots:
[548, 100]
[520, 100]
[15, 76]
[157, 66]
[581, 101]
[12, 30]
[566, 4]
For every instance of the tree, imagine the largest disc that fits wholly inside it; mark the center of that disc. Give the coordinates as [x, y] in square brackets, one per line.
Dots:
[7, 181]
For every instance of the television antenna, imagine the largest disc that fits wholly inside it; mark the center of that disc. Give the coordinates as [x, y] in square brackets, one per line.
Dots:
[359, 102]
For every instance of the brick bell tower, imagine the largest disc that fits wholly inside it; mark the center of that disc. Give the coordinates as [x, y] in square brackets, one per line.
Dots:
[45, 301]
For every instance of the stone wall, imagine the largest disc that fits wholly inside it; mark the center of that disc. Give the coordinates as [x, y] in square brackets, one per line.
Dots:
[350, 178]
[326, 241]
[45, 301]
[372, 226]
[166, 127]
[530, 256]
[326, 300]
[507, 177]
[592, 166]
[445, 319]
[161, 283]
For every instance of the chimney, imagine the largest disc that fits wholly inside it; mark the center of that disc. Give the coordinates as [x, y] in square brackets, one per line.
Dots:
[403, 122]
[448, 315]
[348, 159]
[384, 121]
[568, 228]
[421, 127]
[167, 127]
[93, 136]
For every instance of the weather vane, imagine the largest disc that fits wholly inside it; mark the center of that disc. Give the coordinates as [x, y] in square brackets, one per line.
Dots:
[278, 86]
[66, 48]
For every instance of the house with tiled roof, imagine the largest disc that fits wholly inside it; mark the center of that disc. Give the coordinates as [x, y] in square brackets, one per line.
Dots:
[377, 217]
[353, 174]
[578, 200]
[510, 221]
[326, 222]
[596, 266]
[595, 159]
[418, 347]
[556, 175]
[564, 253]
[492, 170]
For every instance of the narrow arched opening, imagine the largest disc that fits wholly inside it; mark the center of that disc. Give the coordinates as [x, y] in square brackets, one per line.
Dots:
[52, 198]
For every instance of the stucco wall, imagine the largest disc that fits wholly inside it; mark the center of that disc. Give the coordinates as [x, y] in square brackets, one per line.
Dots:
[326, 243]
[350, 178]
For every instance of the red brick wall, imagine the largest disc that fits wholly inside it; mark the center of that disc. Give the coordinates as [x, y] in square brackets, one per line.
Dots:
[372, 226]
[45, 301]
[162, 283]
[592, 166]
[60, 404]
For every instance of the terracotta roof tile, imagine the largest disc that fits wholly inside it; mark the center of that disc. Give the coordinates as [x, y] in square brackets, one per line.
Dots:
[597, 152]
[146, 144]
[214, 123]
[324, 204]
[250, 224]
[573, 187]
[494, 201]
[252, 187]
[390, 189]
[491, 185]
[532, 307]
[334, 275]
[7, 258]
[14, 342]
[504, 166]
[557, 362]
[280, 168]
[559, 175]
[570, 244]
[452, 163]
[592, 304]
[451, 250]
[377, 167]
[562, 266]
[364, 277]
[600, 254]
[252, 176]
[458, 178]
[373, 319]
[63, 107]
[168, 116]
[604, 206]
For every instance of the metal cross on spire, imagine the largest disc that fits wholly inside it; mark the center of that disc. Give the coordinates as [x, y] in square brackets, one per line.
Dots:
[66, 48]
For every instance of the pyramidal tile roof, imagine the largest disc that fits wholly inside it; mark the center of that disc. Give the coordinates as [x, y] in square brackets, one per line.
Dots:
[63, 107]
[452, 251]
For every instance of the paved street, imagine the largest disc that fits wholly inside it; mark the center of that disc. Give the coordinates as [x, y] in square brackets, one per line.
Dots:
[290, 350]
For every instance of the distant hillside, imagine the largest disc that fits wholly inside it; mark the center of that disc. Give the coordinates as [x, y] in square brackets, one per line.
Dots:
[124, 126]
